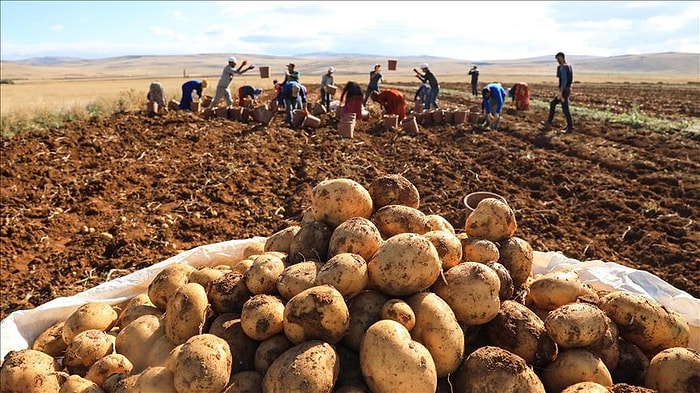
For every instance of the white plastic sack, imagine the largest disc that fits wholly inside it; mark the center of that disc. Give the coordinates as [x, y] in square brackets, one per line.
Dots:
[21, 328]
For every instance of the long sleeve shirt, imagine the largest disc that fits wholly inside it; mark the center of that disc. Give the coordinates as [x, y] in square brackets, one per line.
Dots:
[352, 89]
[393, 102]
[326, 80]
[155, 94]
[565, 73]
[227, 76]
[498, 94]
[430, 78]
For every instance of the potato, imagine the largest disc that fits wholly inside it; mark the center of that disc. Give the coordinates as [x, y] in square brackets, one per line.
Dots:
[280, 240]
[167, 281]
[133, 340]
[645, 322]
[632, 364]
[492, 219]
[404, 264]
[437, 329]
[228, 293]
[674, 370]
[519, 330]
[203, 365]
[254, 249]
[121, 383]
[586, 387]
[29, 370]
[493, 369]
[205, 275]
[50, 341]
[448, 246]
[554, 289]
[516, 255]
[242, 266]
[114, 363]
[186, 313]
[365, 309]
[245, 382]
[392, 220]
[507, 289]
[471, 289]
[89, 316]
[262, 317]
[626, 388]
[573, 366]
[269, 350]
[393, 362]
[576, 325]
[85, 349]
[607, 348]
[336, 200]
[171, 362]
[229, 327]
[346, 272]
[437, 222]
[156, 380]
[76, 383]
[317, 313]
[311, 366]
[355, 235]
[160, 351]
[262, 275]
[399, 311]
[298, 277]
[479, 250]
[136, 309]
[310, 243]
[393, 189]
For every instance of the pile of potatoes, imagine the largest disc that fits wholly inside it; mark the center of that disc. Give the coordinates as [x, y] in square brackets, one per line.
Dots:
[367, 294]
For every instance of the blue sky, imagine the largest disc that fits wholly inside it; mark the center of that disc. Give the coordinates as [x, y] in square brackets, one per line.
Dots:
[468, 30]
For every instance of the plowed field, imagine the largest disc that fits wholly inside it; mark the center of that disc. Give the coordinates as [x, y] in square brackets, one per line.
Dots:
[99, 199]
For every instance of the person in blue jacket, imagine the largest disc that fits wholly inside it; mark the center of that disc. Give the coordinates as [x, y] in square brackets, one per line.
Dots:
[375, 77]
[294, 96]
[493, 97]
[188, 88]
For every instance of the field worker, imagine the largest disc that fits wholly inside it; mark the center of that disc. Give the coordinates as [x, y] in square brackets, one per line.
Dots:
[326, 80]
[222, 88]
[352, 95]
[392, 101]
[565, 73]
[248, 91]
[375, 76]
[294, 96]
[188, 88]
[474, 73]
[429, 77]
[156, 94]
[493, 97]
[291, 74]
[423, 93]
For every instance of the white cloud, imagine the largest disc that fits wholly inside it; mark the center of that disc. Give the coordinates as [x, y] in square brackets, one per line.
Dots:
[57, 28]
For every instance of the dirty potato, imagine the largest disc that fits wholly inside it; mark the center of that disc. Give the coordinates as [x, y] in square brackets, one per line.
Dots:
[394, 189]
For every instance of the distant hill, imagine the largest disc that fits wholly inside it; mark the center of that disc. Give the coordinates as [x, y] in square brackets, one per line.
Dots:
[666, 65]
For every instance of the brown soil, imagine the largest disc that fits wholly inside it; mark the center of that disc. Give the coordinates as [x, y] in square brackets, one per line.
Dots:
[99, 199]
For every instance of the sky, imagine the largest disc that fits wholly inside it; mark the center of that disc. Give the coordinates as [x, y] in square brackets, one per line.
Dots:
[465, 30]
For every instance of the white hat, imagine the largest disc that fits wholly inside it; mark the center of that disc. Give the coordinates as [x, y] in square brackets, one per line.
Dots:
[231, 59]
[331, 69]
[424, 65]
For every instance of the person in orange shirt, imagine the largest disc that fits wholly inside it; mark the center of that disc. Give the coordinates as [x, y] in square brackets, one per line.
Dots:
[392, 101]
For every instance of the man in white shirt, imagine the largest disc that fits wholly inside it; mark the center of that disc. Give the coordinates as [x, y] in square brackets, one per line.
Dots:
[223, 87]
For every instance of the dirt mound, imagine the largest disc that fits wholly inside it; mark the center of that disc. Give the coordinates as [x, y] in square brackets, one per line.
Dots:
[99, 199]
